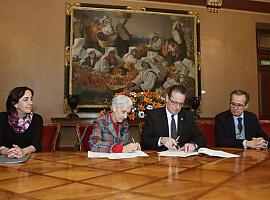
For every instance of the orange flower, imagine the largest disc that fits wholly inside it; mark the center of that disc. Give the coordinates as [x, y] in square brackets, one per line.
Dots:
[126, 91]
[140, 107]
[142, 101]
[139, 94]
[131, 116]
[133, 100]
[149, 94]
[147, 100]
[158, 105]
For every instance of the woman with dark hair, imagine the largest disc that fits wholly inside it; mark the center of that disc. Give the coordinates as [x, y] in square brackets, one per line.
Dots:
[20, 128]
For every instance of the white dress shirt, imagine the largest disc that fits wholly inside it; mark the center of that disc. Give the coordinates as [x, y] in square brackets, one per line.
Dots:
[169, 120]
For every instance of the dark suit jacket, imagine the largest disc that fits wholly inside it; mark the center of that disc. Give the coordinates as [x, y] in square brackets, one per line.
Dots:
[156, 126]
[225, 129]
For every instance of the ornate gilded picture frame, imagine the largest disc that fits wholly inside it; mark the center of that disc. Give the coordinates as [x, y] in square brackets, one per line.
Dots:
[112, 48]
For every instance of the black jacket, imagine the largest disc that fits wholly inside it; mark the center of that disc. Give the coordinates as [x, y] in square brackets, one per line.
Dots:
[156, 126]
[32, 135]
[225, 129]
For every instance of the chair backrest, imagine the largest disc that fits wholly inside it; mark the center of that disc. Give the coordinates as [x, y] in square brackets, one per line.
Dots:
[266, 126]
[49, 136]
[83, 132]
[207, 129]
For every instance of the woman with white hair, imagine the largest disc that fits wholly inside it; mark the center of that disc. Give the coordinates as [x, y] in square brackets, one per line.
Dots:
[110, 133]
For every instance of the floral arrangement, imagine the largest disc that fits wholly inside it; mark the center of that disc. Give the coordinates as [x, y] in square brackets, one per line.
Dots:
[143, 101]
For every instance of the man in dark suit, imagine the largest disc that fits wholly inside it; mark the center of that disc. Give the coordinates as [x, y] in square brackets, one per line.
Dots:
[171, 126]
[237, 127]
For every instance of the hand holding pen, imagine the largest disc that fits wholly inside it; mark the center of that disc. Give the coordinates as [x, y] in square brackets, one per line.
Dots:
[136, 144]
[177, 143]
[170, 143]
[133, 146]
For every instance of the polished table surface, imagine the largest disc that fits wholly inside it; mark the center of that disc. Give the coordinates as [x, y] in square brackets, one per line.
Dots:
[71, 175]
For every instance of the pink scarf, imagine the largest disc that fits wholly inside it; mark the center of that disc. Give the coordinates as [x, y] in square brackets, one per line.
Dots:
[20, 125]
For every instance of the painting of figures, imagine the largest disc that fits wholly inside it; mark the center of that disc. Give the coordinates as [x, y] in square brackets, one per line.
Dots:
[139, 50]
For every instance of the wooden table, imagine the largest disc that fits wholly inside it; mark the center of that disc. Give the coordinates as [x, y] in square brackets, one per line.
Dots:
[71, 175]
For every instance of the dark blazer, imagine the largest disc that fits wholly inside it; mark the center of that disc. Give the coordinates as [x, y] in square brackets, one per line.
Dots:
[225, 129]
[156, 126]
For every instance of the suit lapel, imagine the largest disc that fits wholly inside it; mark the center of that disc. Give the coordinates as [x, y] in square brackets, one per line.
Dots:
[231, 124]
[112, 130]
[164, 123]
[110, 125]
[246, 125]
[180, 125]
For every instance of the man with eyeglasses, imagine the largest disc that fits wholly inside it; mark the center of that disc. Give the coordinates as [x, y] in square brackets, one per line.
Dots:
[239, 128]
[172, 127]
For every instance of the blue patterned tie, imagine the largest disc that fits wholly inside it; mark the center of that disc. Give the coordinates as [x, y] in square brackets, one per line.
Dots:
[173, 128]
[240, 126]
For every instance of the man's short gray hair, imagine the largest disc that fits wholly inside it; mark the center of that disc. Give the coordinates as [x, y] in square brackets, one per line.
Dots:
[121, 100]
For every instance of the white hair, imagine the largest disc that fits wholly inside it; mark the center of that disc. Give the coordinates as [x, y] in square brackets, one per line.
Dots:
[121, 100]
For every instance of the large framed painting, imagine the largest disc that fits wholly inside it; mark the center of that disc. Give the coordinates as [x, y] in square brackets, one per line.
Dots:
[112, 48]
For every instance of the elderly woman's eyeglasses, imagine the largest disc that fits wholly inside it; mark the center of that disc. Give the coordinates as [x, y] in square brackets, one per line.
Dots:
[236, 105]
[175, 103]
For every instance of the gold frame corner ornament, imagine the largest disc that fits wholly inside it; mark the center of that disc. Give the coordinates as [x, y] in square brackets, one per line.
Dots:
[69, 7]
[197, 16]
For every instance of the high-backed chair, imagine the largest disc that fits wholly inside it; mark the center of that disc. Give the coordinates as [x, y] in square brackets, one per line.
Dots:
[83, 132]
[207, 129]
[266, 126]
[49, 136]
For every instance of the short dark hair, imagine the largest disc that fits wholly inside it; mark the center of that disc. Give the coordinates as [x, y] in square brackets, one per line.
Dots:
[177, 88]
[14, 96]
[240, 93]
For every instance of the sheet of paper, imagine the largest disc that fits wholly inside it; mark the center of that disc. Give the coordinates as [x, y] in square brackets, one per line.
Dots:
[134, 154]
[177, 153]
[217, 153]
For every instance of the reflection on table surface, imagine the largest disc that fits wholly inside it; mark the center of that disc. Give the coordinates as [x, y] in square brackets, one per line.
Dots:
[71, 175]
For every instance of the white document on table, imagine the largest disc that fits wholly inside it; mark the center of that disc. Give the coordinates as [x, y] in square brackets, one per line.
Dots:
[177, 153]
[209, 152]
[134, 154]
[217, 153]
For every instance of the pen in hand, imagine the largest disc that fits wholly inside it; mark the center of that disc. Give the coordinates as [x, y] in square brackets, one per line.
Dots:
[138, 145]
[177, 145]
